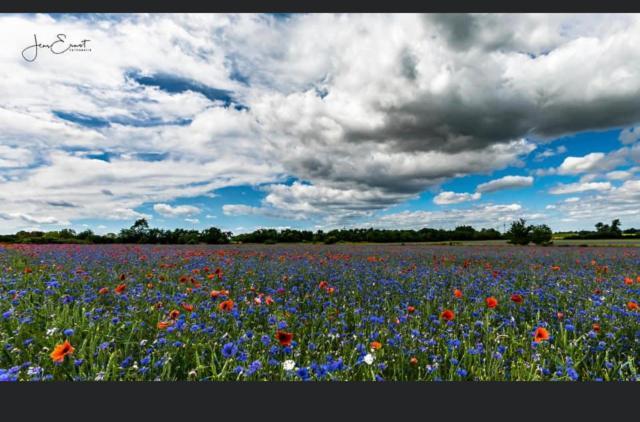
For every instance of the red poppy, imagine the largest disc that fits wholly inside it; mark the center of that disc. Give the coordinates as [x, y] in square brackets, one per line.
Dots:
[174, 314]
[226, 306]
[447, 315]
[376, 345]
[331, 290]
[632, 306]
[596, 327]
[491, 302]
[541, 334]
[268, 300]
[164, 324]
[122, 277]
[284, 338]
[560, 316]
[411, 309]
[457, 293]
[187, 307]
[517, 298]
[323, 285]
[413, 361]
[120, 288]
[61, 350]
[103, 291]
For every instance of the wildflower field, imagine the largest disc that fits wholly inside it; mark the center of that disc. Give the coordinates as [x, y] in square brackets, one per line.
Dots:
[316, 312]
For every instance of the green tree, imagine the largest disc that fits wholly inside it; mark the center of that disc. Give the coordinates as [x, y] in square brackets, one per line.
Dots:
[541, 234]
[519, 233]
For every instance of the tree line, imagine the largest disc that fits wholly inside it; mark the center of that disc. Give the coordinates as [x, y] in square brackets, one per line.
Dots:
[605, 231]
[519, 233]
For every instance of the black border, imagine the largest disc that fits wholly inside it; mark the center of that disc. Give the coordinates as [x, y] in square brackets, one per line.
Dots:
[369, 401]
[447, 401]
[307, 6]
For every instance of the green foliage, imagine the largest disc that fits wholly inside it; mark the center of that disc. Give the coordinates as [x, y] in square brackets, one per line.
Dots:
[541, 235]
[519, 233]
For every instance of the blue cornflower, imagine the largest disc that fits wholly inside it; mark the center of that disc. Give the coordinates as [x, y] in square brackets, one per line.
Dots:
[462, 372]
[229, 350]
[573, 374]
[254, 367]
[303, 373]
[68, 332]
[265, 340]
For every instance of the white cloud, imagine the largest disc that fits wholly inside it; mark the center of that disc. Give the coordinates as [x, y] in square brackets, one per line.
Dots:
[576, 165]
[630, 135]
[619, 175]
[506, 182]
[178, 211]
[446, 198]
[367, 120]
[618, 202]
[562, 189]
[15, 156]
[550, 152]
[490, 215]
[192, 220]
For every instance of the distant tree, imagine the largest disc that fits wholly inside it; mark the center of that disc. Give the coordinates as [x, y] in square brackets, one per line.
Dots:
[214, 235]
[519, 233]
[541, 234]
[615, 228]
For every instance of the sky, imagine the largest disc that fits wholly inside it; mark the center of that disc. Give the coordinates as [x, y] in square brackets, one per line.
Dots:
[318, 121]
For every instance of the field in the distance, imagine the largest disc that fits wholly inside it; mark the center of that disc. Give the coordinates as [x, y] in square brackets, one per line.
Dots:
[315, 312]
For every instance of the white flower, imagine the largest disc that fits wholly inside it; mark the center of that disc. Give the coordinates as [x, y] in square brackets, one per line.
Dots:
[51, 331]
[143, 342]
[100, 376]
[288, 365]
[368, 359]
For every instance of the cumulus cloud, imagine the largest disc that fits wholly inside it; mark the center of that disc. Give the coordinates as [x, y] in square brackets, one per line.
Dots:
[550, 152]
[367, 120]
[489, 215]
[630, 135]
[446, 198]
[506, 182]
[562, 189]
[621, 202]
[178, 211]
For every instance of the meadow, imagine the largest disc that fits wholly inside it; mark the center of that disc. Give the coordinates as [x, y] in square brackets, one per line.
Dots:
[316, 312]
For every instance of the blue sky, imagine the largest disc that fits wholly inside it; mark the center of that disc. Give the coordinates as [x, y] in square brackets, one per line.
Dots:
[320, 121]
